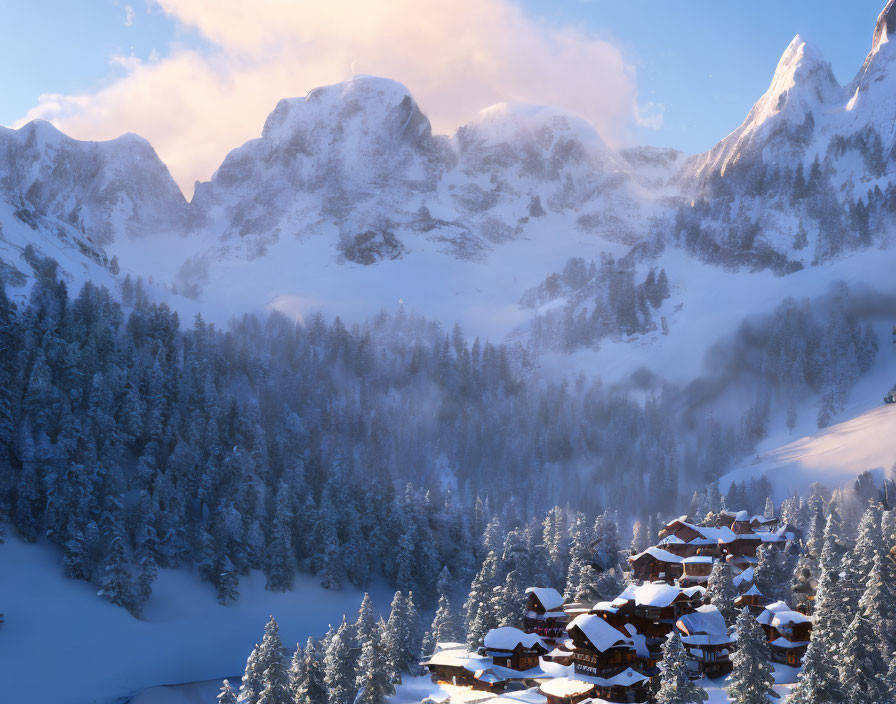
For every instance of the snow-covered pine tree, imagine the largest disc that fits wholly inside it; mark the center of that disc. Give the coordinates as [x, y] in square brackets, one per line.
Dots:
[280, 559]
[365, 624]
[227, 581]
[443, 628]
[581, 582]
[507, 601]
[116, 582]
[276, 687]
[478, 616]
[772, 573]
[606, 541]
[339, 665]
[264, 656]
[721, 592]
[769, 511]
[676, 686]
[878, 603]
[226, 695]
[751, 678]
[819, 681]
[310, 688]
[860, 559]
[861, 667]
[373, 682]
[413, 642]
[296, 671]
[392, 638]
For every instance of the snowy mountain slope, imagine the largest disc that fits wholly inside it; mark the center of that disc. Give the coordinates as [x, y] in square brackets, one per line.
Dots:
[834, 456]
[101, 654]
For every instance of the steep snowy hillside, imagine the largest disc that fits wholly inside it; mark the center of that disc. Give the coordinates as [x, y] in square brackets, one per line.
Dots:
[101, 654]
[835, 456]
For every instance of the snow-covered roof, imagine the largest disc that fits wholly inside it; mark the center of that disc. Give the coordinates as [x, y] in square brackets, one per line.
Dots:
[698, 559]
[742, 516]
[605, 606]
[459, 657]
[564, 687]
[657, 554]
[657, 594]
[753, 591]
[599, 633]
[508, 638]
[549, 597]
[763, 519]
[706, 620]
[709, 535]
[784, 618]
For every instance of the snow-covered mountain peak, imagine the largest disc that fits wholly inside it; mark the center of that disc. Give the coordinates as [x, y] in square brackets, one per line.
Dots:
[803, 82]
[368, 105]
[802, 89]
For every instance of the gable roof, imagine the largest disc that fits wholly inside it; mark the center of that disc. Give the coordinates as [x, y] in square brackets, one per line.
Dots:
[549, 597]
[706, 620]
[658, 554]
[599, 633]
[657, 594]
[780, 614]
[508, 638]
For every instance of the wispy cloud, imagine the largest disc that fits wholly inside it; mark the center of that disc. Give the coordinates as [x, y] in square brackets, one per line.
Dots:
[128, 16]
[456, 57]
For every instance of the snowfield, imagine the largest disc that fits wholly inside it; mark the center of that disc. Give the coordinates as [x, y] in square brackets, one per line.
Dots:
[835, 456]
[62, 644]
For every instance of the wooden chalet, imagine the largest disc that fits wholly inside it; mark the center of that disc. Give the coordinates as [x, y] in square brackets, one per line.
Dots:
[696, 570]
[763, 523]
[452, 663]
[788, 632]
[656, 564]
[599, 649]
[512, 648]
[651, 610]
[629, 685]
[753, 599]
[747, 544]
[688, 539]
[545, 616]
[707, 642]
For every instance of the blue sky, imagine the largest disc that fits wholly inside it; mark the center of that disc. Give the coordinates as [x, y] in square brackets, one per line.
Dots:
[699, 63]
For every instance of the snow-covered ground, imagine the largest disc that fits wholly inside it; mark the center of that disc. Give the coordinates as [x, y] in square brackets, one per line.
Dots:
[834, 456]
[63, 644]
[415, 689]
